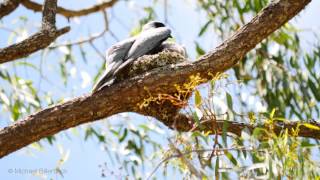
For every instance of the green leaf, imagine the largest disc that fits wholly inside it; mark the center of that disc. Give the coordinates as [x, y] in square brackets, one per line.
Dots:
[231, 158]
[83, 54]
[15, 111]
[196, 118]
[197, 98]
[216, 169]
[272, 113]
[124, 135]
[311, 126]
[229, 101]
[24, 63]
[88, 133]
[224, 132]
[307, 144]
[314, 89]
[199, 50]
[51, 139]
[204, 28]
[63, 72]
[259, 132]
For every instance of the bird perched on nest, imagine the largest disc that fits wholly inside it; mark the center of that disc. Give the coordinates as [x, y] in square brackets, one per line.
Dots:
[123, 53]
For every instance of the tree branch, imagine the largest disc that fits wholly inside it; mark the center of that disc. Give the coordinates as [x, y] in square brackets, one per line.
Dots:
[40, 40]
[184, 123]
[90, 38]
[7, 6]
[126, 95]
[68, 13]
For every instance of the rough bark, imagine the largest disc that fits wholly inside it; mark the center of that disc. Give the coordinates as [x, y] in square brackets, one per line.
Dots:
[39, 40]
[125, 96]
[7, 6]
[48, 32]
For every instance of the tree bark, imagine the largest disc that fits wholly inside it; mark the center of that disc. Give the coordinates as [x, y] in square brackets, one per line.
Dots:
[39, 40]
[7, 6]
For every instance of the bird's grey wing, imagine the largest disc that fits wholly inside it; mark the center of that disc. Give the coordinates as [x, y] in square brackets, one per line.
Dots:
[171, 47]
[119, 50]
[144, 43]
[147, 41]
[106, 78]
[114, 58]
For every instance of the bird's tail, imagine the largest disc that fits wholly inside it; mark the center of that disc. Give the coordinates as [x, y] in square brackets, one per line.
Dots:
[105, 80]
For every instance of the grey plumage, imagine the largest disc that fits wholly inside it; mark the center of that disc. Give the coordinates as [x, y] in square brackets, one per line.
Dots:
[167, 53]
[171, 47]
[125, 52]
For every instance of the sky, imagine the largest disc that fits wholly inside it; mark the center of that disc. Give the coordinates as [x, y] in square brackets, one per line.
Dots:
[85, 156]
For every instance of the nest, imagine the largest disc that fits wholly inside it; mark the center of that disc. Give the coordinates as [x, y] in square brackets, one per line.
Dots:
[161, 108]
[149, 62]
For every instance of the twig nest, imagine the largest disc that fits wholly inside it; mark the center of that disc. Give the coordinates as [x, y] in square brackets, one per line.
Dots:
[149, 62]
[160, 106]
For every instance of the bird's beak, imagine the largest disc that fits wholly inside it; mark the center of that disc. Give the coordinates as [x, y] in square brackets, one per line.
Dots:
[170, 36]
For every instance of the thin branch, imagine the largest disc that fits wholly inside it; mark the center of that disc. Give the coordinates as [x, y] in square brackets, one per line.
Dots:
[9, 30]
[7, 6]
[97, 50]
[82, 41]
[68, 13]
[126, 95]
[236, 128]
[40, 40]
[218, 152]
[185, 161]
[88, 39]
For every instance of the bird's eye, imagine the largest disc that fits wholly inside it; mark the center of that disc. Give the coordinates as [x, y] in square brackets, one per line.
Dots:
[159, 24]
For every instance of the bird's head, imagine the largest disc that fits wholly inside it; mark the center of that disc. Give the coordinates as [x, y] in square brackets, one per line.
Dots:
[152, 24]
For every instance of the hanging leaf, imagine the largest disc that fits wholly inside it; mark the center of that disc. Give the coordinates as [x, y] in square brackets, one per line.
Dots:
[199, 50]
[204, 28]
[197, 98]
[231, 158]
[229, 101]
[311, 126]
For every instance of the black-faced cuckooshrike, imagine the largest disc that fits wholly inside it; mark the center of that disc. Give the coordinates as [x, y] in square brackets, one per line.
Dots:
[125, 52]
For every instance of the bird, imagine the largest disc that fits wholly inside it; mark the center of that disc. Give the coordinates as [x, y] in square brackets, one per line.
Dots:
[123, 53]
[171, 47]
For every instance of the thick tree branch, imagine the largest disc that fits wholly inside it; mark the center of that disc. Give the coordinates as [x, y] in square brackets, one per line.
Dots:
[7, 6]
[68, 13]
[49, 15]
[40, 40]
[125, 96]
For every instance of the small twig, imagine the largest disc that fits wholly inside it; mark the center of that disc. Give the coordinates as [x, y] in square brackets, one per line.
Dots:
[89, 39]
[243, 148]
[9, 30]
[79, 42]
[68, 13]
[97, 50]
[192, 169]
